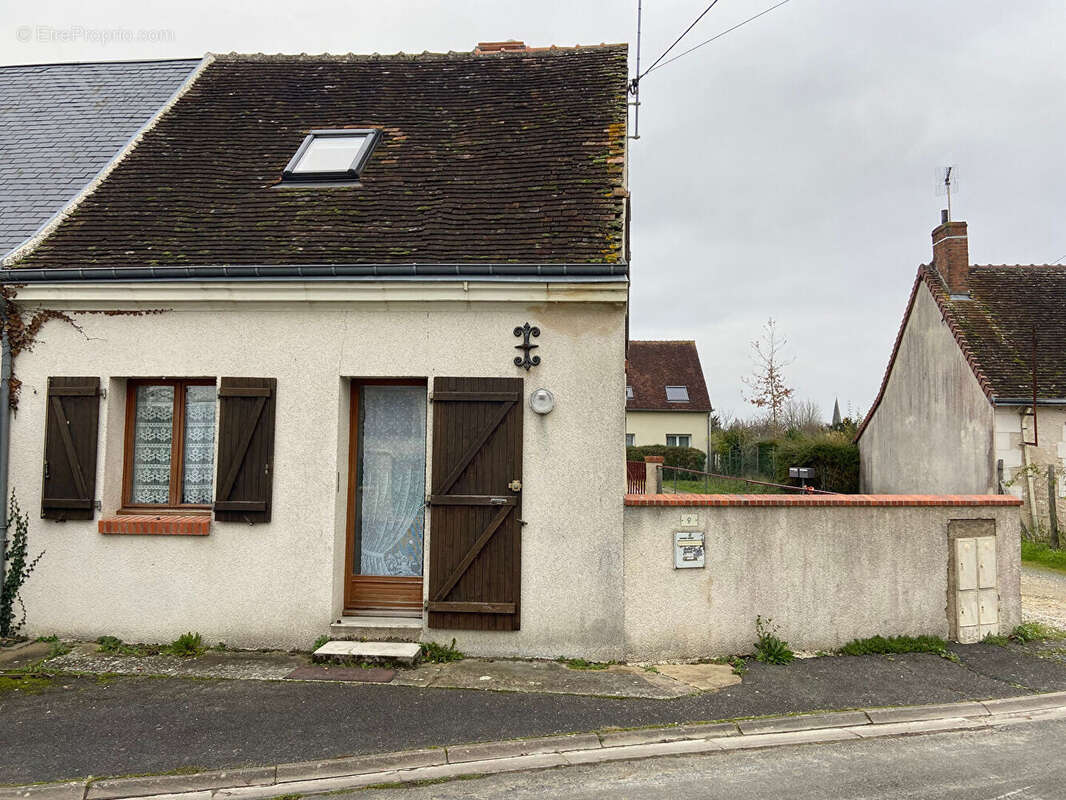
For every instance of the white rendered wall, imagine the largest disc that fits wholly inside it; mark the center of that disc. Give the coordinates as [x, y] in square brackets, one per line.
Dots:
[825, 575]
[933, 431]
[279, 584]
[651, 427]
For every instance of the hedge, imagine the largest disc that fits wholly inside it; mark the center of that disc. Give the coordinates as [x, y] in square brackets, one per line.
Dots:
[834, 457]
[685, 457]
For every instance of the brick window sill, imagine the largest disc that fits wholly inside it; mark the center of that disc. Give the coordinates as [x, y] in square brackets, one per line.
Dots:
[156, 525]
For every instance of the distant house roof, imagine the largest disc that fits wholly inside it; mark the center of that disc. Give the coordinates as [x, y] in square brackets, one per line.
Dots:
[510, 158]
[653, 365]
[61, 123]
[994, 329]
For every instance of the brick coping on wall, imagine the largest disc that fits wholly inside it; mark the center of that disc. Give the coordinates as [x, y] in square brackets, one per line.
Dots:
[156, 524]
[822, 500]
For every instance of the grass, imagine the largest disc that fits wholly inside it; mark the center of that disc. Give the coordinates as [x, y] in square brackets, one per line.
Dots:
[1041, 553]
[715, 486]
[882, 645]
[188, 645]
[580, 663]
[29, 683]
[1036, 632]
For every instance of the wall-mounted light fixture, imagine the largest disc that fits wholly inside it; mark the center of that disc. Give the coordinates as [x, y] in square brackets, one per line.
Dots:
[542, 401]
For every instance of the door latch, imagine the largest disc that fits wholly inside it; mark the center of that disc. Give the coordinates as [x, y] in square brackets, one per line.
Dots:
[515, 486]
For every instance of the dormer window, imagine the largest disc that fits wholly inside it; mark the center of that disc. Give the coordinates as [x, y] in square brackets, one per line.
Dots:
[676, 394]
[331, 155]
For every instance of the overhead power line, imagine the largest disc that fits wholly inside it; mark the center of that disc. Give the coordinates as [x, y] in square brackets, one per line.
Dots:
[657, 65]
[678, 39]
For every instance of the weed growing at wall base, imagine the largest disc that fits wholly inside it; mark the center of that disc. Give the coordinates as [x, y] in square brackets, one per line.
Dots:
[18, 569]
[769, 647]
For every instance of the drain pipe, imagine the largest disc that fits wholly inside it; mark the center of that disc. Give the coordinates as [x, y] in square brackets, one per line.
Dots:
[5, 429]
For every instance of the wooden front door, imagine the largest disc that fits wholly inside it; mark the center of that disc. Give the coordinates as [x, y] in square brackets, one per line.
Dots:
[386, 498]
[475, 504]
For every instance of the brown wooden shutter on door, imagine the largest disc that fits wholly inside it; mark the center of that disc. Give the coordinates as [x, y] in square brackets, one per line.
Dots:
[70, 434]
[245, 449]
[475, 535]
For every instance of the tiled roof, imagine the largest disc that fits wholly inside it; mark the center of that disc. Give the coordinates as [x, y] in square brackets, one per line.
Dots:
[510, 157]
[994, 329]
[651, 366]
[61, 123]
[996, 326]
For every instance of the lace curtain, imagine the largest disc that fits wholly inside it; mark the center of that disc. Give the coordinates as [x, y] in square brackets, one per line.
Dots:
[199, 446]
[153, 434]
[392, 487]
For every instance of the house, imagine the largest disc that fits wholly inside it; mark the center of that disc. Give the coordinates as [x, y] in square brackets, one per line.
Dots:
[60, 124]
[666, 396]
[974, 397]
[337, 340]
[336, 344]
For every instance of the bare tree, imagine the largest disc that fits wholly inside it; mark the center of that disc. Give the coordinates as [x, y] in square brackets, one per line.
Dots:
[803, 415]
[767, 383]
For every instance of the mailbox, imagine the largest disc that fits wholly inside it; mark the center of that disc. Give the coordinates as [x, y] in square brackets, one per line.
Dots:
[688, 550]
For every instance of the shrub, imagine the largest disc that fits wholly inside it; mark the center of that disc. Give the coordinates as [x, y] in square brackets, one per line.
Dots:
[769, 647]
[18, 569]
[834, 457]
[685, 457]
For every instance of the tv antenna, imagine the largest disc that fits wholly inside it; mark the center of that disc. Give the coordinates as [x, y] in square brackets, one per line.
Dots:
[634, 85]
[947, 181]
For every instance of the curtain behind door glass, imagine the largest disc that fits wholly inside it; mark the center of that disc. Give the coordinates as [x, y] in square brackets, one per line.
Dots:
[392, 485]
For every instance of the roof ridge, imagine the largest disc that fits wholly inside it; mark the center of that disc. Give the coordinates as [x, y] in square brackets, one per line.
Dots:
[1017, 266]
[428, 55]
[101, 63]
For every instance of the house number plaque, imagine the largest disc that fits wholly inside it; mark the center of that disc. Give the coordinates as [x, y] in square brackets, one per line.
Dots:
[688, 550]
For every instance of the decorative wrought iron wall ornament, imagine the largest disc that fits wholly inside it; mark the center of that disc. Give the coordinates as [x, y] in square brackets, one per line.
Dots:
[525, 360]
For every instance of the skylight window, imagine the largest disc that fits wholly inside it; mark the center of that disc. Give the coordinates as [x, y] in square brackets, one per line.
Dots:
[676, 394]
[331, 155]
[629, 393]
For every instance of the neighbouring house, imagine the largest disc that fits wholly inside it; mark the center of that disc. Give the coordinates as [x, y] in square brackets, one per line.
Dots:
[60, 124]
[666, 396]
[974, 396]
[289, 344]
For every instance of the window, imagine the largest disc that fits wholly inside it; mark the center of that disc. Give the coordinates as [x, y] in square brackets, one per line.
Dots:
[170, 443]
[631, 440]
[676, 394]
[679, 440]
[629, 393]
[331, 155]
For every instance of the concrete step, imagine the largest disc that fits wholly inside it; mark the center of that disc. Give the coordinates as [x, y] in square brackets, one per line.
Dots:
[385, 629]
[404, 652]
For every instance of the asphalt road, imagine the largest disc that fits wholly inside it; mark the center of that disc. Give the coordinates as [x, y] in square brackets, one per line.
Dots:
[118, 726]
[1019, 762]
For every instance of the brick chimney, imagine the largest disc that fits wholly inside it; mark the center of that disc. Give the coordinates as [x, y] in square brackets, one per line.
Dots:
[951, 254]
[500, 47]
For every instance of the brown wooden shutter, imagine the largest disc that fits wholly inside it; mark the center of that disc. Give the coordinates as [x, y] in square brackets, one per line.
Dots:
[245, 449]
[475, 560]
[70, 437]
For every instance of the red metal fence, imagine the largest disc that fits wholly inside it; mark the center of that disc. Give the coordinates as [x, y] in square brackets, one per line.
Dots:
[636, 477]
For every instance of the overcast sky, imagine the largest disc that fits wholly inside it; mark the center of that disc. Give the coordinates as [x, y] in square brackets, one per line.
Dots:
[786, 170]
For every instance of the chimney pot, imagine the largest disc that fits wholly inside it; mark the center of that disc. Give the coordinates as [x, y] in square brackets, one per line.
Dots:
[951, 255]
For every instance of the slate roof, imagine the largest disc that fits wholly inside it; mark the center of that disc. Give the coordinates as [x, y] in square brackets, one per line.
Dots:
[651, 366]
[61, 123]
[994, 329]
[510, 157]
